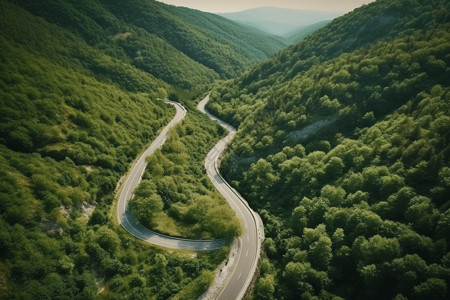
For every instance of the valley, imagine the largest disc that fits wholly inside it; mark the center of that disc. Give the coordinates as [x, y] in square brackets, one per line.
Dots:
[313, 164]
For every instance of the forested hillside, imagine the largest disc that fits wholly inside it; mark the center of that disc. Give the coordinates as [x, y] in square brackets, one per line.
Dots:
[343, 148]
[181, 46]
[78, 97]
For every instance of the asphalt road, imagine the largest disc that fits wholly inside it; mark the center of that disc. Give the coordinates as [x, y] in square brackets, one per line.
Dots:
[127, 220]
[250, 241]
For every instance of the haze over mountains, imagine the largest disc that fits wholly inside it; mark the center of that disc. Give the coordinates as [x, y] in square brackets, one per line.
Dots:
[342, 148]
[280, 21]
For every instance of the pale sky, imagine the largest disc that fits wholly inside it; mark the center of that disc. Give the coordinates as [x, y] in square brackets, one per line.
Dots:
[221, 6]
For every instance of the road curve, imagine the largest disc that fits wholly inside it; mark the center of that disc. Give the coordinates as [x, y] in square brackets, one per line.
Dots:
[250, 241]
[127, 220]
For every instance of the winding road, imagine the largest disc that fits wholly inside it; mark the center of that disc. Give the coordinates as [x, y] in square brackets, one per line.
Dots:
[250, 241]
[136, 229]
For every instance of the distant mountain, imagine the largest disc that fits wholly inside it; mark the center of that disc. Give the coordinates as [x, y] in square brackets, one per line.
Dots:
[279, 21]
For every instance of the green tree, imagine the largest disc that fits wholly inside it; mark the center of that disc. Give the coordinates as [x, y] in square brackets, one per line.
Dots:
[299, 219]
[335, 195]
[295, 272]
[265, 287]
[378, 250]
[145, 208]
[319, 253]
[270, 247]
[107, 239]
[432, 288]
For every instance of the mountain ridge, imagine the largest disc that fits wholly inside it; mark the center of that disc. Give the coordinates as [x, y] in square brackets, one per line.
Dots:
[184, 34]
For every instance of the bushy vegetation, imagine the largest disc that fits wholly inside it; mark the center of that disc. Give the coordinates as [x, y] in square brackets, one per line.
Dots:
[175, 196]
[343, 149]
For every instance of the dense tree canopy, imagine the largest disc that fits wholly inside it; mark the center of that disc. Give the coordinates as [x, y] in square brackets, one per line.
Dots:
[343, 148]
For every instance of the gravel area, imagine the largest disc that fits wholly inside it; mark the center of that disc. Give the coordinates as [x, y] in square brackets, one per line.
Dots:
[223, 272]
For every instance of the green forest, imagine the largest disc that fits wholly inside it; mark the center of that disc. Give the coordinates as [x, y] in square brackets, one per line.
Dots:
[77, 108]
[343, 149]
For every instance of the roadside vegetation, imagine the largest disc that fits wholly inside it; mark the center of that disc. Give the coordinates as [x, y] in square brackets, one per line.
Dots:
[176, 196]
[357, 208]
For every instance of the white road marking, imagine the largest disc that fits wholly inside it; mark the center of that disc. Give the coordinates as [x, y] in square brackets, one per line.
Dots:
[233, 198]
[238, 204]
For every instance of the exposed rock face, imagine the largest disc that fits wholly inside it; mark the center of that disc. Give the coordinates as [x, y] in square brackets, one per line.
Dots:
[87, 209]
[306, 132]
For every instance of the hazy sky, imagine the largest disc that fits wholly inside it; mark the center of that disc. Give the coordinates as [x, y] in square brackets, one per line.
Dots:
[217, 6]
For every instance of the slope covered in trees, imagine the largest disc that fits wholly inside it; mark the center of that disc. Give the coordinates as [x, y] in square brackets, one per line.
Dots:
[75, 111]
[343, 147]
[181, 46]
